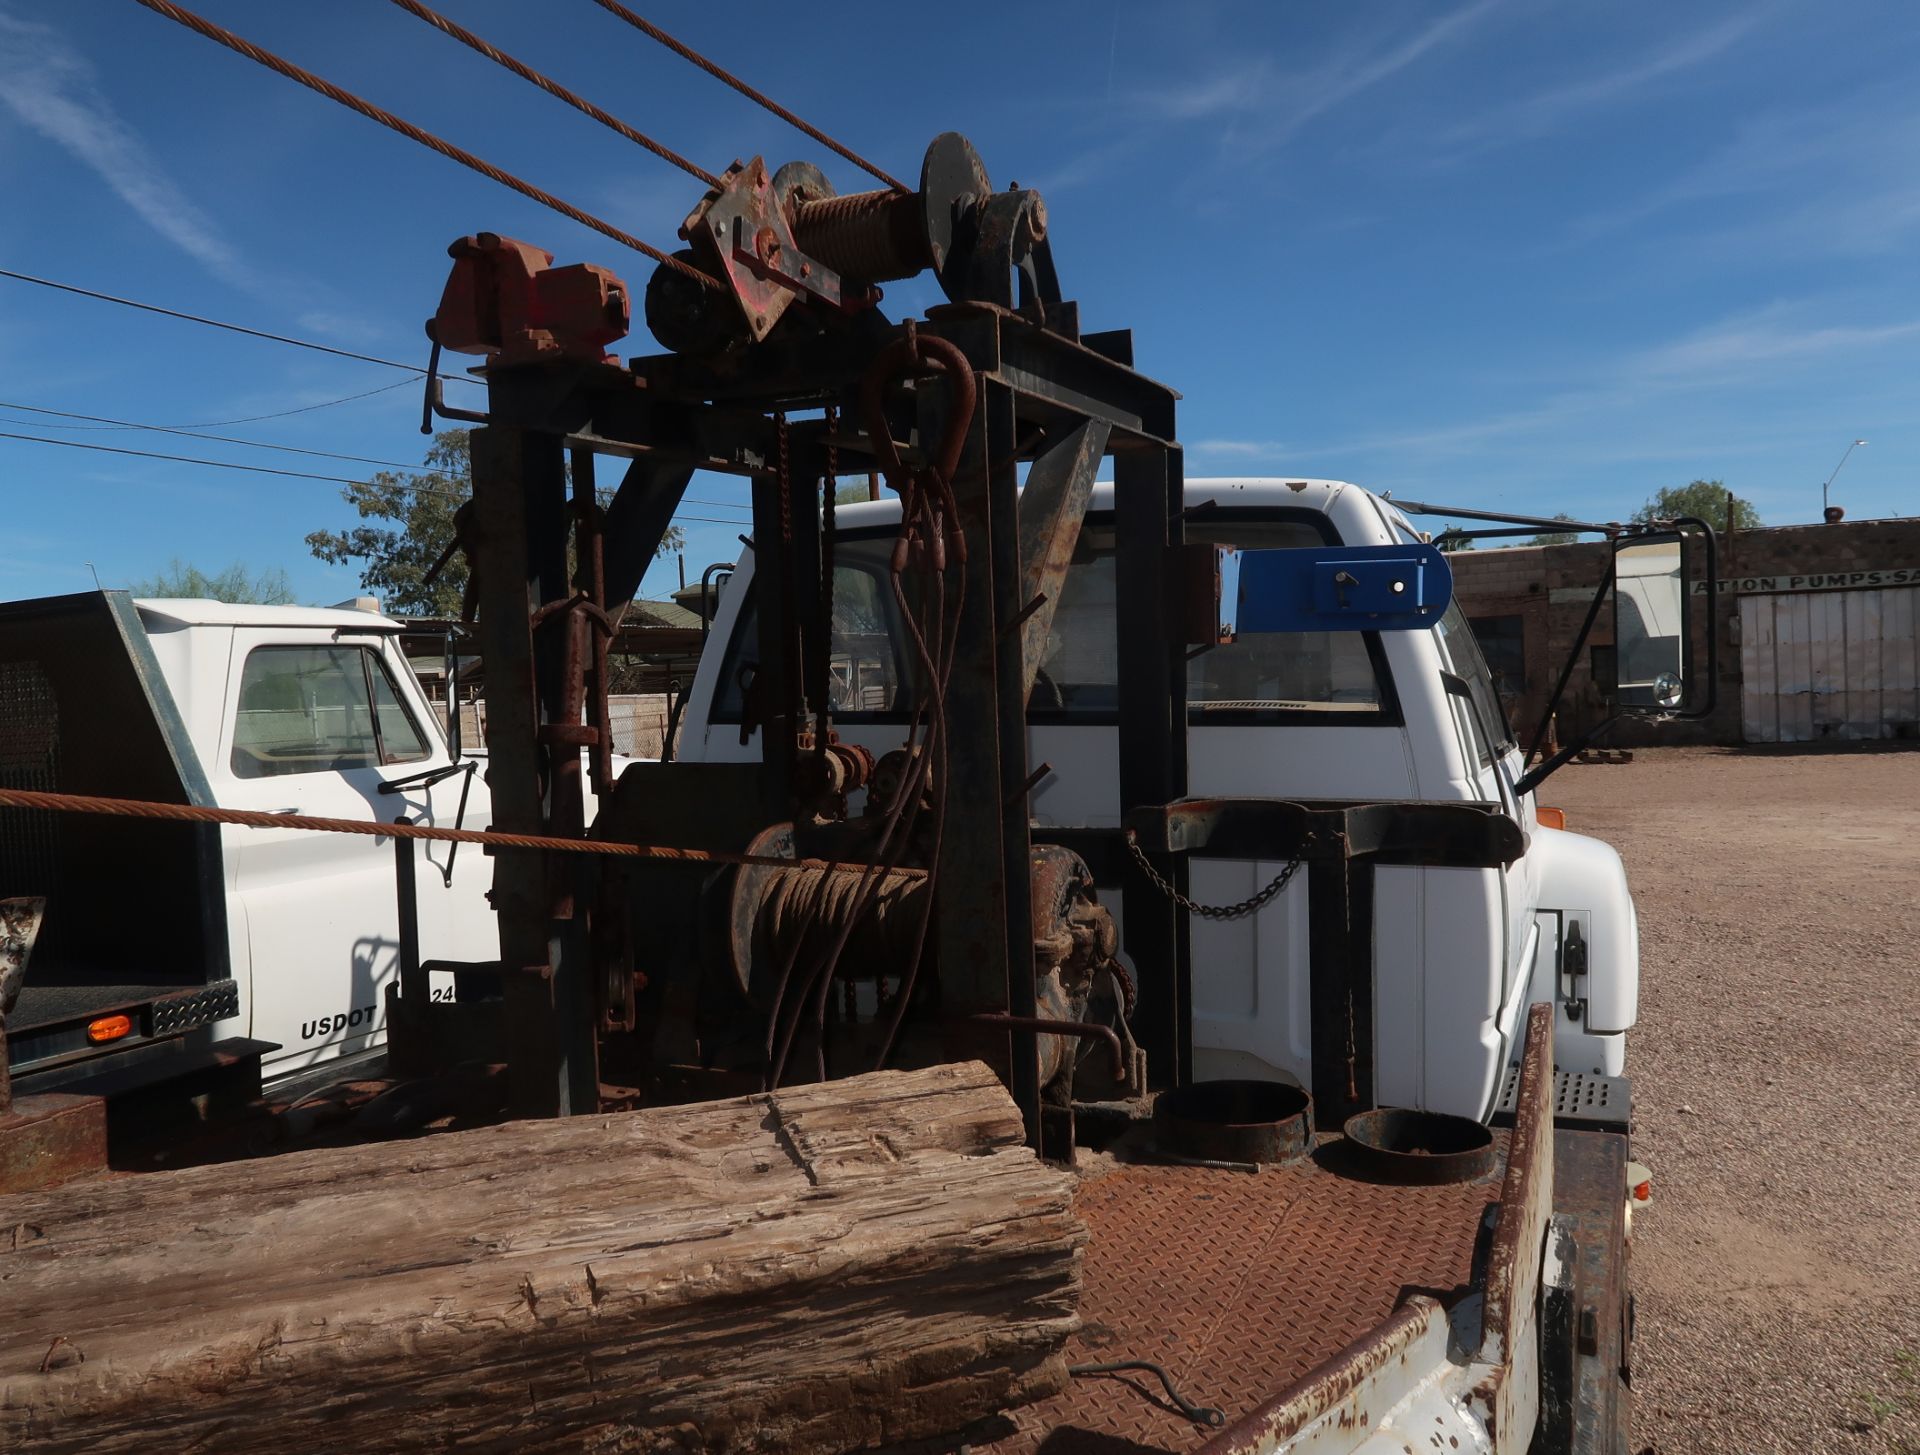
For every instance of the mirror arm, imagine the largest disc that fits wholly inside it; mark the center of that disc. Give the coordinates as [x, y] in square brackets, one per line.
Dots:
[1566, 672]
[1713, 624]
[1539, 774]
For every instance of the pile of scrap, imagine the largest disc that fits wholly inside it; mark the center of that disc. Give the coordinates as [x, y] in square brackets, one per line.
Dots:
[827, 1268]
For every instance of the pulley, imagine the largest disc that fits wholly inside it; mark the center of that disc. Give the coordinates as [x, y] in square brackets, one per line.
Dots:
[780, 239]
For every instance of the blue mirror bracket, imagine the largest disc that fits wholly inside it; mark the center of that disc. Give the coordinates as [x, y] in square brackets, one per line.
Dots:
[1342, 588]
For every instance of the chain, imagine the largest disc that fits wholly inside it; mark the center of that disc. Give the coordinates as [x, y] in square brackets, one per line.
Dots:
[831, 427]
[784, 481]
[1216, 911]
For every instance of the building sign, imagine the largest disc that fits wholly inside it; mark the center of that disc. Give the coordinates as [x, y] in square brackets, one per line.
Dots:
[1815, 581]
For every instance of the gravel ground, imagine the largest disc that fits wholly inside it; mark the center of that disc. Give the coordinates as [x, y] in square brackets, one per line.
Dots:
[1776, 1069]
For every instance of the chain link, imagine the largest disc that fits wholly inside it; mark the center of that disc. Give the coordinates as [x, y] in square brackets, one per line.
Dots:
[1216, 911]
[784, 481]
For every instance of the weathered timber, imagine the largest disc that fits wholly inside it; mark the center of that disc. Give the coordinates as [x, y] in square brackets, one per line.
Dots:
[830, 1267]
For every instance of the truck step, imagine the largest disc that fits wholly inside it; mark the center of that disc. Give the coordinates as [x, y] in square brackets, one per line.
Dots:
[1582, 1100]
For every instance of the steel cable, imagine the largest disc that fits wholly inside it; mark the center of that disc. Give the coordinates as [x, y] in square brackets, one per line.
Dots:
[426, 138]
[372, 828]
[554, 88]
[720, 73]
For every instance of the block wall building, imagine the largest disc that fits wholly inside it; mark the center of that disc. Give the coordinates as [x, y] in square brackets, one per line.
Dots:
[1815, 627]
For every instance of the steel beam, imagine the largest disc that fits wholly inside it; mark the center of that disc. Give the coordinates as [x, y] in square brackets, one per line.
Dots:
[638, 518]
[983, 931]
[1148, 528]
[519, 496]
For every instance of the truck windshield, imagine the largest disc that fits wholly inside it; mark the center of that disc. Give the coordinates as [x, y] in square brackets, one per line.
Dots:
[1318, 677]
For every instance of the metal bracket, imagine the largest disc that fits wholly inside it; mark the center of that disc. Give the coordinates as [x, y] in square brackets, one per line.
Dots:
[743, 232]
[1350, 588]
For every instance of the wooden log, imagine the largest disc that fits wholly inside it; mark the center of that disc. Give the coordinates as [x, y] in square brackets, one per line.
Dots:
[829, 1268]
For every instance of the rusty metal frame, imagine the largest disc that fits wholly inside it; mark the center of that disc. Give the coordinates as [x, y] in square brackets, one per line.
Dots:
[1405, 1381]
[1043, 395]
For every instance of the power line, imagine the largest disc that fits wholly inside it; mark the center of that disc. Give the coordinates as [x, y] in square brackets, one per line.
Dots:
[309, 475]
[554, 88]
[101, 421]
[278, 338]
[214, 464]
[687, 52]
[414, 133]
[309, 408]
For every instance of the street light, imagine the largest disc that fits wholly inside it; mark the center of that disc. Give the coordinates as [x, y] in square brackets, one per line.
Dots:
[1836, 470]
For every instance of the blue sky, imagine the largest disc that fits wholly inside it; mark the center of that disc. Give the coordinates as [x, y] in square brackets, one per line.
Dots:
[1497, 253]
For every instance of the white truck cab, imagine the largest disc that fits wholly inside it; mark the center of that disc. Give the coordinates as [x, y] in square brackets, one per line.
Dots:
[316, 711]
[182, 938]
[1373, 715]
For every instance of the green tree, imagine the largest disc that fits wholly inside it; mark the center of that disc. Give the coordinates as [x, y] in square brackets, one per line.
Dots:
[1451, 539]
[1556, 537]
[854, 494]
[1706, 499]
[235, 584]
[418, 508]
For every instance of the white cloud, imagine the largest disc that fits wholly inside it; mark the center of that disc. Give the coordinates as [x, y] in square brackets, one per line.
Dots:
[1286, 103]
[1742, 345]
[1545, 111]
[1831, 178]
[1240, 449]
[1740, 361]
[345, 327]
[52, 88]
[1339, 83]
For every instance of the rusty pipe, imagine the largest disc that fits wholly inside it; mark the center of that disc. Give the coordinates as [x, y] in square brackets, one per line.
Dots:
[1080, 1030]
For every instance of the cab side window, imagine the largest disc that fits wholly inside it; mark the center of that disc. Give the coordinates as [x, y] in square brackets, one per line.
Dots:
[319, 710]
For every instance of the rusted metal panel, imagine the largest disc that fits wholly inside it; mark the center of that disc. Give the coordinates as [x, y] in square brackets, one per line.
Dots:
[1332, 1407]
[1051, 509]
[1590, 1168]
[1507, 1396]
[1294, 1266]
[51, 1138]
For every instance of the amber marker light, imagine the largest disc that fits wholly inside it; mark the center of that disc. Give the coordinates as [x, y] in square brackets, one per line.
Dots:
[108, 1028]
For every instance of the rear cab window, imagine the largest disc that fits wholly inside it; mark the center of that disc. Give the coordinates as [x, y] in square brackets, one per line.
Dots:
[1318, 678]
[320, 709]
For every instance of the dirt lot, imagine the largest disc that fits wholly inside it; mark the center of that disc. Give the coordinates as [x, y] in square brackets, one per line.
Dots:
[1776, 1072]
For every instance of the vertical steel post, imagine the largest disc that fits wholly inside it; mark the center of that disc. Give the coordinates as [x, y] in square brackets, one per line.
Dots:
[769, 695]
[520, 544]
[984, 934]
[413, 984]
[1340, 972]
[1148, 521]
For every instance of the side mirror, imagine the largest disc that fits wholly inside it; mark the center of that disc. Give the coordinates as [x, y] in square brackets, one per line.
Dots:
[1652, 624]
[1654, 667]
